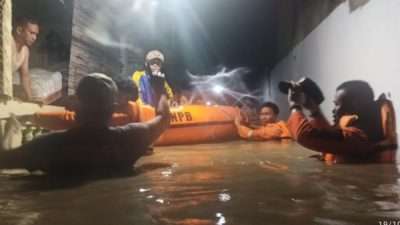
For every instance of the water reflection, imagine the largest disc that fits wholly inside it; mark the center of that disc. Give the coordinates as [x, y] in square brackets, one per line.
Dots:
[144, 189]
[275, 183]
[228, 183]
[224, 197]
[221, 219]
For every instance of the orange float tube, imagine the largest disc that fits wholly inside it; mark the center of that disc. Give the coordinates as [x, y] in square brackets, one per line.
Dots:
[194, 124]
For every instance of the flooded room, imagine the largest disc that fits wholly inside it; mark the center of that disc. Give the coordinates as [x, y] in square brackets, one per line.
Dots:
[201, 112]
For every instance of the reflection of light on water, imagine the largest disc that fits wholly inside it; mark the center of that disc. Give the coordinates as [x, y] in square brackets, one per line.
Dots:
[159, 200]
[295, 200]
[351, 187]
[221, 219]
[150, 197]
[29, 218]
[224, 197]
[242, 163]
[14, 172]
[328, 221]
[388, 193]
[387, 206]
[166, 173]
[144, 190]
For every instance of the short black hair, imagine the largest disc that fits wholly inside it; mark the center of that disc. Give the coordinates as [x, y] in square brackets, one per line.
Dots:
[128, 86]
[96, 93]
[270, 105]
[358, 90]
[22, 21]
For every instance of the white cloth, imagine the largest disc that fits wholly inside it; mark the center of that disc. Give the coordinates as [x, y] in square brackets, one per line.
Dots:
[45, 83]
[12, 136]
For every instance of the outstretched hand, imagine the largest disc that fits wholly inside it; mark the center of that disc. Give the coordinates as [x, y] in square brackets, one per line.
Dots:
[163, 106]
[238, 120]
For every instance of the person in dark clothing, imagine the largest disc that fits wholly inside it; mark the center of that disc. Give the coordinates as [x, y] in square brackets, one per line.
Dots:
[92, 144]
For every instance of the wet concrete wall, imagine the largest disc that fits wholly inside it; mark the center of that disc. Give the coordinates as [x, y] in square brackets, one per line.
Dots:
[5, 45]
[95, 40]
[296, 19]
[353, 42]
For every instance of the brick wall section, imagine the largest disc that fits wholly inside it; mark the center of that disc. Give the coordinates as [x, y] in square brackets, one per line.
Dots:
[5, 46]
[93, 20]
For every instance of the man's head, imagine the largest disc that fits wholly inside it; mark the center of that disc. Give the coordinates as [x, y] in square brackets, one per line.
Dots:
[127, 91]
[268, 113]
[352, 97]
[26, 31]
[96, 95]
[154, 60]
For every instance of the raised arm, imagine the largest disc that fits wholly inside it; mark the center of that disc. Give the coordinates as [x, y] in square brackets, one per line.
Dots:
[347, 141]
[161, 121]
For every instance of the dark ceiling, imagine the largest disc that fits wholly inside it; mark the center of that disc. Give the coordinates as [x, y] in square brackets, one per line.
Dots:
[205, 35]
[208, 34]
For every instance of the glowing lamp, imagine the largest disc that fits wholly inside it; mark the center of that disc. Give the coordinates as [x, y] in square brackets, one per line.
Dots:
[217, 89]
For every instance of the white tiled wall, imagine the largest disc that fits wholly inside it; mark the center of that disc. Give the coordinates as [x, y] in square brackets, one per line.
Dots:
[363, 44]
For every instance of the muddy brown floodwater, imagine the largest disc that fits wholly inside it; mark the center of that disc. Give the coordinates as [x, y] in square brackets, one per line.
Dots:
[234, 183]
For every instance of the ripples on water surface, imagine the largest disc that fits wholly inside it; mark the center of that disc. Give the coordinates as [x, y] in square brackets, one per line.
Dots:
[230, 183]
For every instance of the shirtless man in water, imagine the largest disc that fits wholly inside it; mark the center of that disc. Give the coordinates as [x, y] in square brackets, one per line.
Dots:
[24, 36]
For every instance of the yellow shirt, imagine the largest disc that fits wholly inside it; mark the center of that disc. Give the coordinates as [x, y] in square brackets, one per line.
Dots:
[136, 78]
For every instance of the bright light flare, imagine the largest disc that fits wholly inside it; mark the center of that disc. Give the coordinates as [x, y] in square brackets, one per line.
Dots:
[218, 89]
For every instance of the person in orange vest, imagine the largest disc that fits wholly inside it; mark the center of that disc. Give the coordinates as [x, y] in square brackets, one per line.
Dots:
[92, 145]
[270, 128]
[363, 130]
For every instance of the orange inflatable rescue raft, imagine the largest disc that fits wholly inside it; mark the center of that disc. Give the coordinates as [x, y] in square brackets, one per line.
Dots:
[194, 124]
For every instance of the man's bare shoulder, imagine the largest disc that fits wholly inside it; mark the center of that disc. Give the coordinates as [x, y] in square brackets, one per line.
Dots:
[25, 52]
[23, 55]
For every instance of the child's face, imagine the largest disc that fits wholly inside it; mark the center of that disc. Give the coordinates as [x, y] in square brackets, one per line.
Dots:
[155, 65]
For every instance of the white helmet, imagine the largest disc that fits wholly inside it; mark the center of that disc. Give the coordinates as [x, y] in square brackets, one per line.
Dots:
[154, 54]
